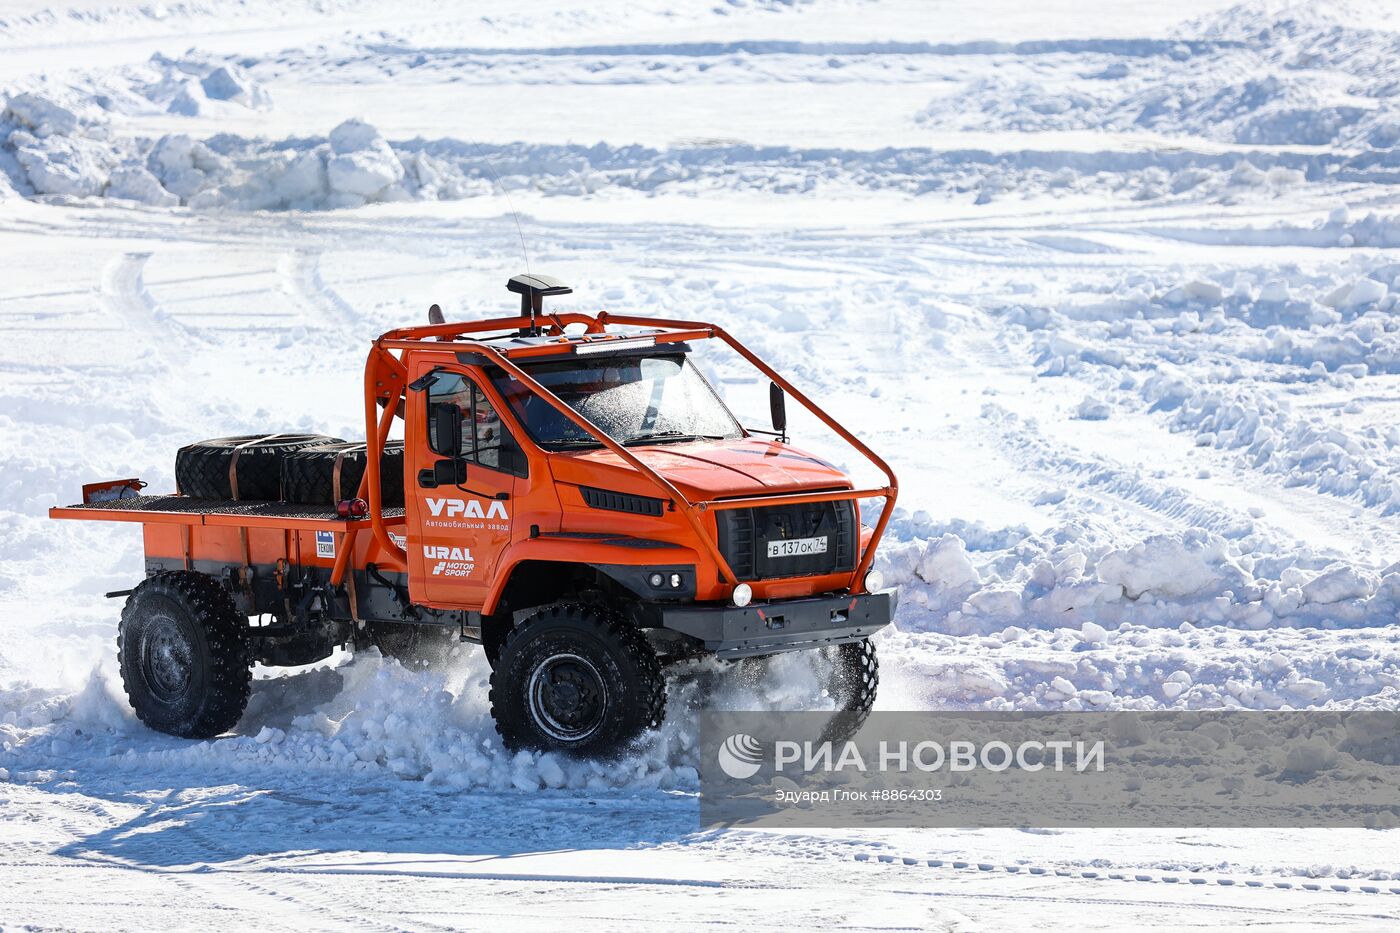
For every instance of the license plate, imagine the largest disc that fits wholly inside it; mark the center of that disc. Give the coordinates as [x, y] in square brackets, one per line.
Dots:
[797, 547]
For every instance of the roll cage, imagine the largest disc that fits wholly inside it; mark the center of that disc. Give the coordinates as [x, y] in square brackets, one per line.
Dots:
[386, 382]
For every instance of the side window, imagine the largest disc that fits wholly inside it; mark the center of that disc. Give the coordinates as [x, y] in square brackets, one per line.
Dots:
[485, 440]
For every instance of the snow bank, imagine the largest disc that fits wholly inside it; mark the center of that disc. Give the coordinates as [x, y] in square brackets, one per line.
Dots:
[77, 154]
[193, 85]
[51, 149]
[1076, 575]
[1139, 340]
[1259, 73]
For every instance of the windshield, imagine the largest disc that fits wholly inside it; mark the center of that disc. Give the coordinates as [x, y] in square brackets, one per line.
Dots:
[635, 399]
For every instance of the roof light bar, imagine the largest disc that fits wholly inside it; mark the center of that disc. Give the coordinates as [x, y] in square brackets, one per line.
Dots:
[610, 346]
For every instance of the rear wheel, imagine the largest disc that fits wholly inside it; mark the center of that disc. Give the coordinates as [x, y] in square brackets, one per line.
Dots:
[184, 655]
[576, 678]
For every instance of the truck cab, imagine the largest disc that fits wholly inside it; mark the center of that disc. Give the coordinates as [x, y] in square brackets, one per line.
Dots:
[520, 482]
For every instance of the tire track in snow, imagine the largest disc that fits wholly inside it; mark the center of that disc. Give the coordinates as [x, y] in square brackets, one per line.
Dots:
[125, 296]
[1154, 876]
[1157, 504]
[300, 272]
[238, 880]
[320, 906]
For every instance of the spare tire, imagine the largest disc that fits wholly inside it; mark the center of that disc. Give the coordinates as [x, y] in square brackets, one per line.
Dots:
[247, 467]
[309, 476]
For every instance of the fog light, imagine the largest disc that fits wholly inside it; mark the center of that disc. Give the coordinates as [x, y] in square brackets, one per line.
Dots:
[675, 581]
[743, 595]
[874, 581]
[656, 580]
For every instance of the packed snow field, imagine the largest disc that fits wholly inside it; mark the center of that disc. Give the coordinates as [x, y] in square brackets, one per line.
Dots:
[1116, 295]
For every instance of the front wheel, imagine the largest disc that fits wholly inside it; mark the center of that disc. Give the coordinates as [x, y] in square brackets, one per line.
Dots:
[849, 674]
[578, 679]
[855, 680]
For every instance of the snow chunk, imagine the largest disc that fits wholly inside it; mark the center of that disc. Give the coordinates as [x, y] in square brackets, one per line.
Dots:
[40, 115]
[269, 736]
[354, 135]
[136, 184]
[945, 562]
[363, 165]
[184, 166]
[65, 165]
[1309, 756]
[1246, 175]
[1340, 582]
[227, 82]
[1172, 566]
[1207, 292]
[1365, 292]
[1091, 633]
[304, 180]
[1092, 409]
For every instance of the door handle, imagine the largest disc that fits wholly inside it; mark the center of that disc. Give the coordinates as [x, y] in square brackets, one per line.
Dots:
[427, 478]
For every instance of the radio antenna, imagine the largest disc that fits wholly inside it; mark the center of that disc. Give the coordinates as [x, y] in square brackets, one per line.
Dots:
[496, 179]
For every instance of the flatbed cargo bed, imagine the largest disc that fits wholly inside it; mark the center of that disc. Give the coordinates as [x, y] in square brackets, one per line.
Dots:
[188, 510]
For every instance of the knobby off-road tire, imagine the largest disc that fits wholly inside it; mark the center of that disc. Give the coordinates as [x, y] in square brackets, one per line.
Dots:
[852, 681]
[184, 654]
[202, 469]
[855, 680]
[308, 475]
[578, 679]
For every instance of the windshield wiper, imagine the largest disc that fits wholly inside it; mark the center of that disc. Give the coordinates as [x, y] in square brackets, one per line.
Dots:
[658, 436]
[670, 436]
[570, 442]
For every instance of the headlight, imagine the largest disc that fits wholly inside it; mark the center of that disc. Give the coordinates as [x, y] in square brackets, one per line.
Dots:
[874, 581]
[743, 595]
[656, 580]
[675, 581]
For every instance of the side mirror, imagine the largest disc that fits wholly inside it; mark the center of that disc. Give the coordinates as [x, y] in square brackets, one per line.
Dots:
[777, 407]
[452, 472]
[447, 430]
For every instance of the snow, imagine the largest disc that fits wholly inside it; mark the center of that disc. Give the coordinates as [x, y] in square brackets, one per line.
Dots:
[1113, 287]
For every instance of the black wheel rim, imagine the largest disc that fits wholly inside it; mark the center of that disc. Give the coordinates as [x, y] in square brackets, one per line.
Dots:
[567, 697]
[167, 659]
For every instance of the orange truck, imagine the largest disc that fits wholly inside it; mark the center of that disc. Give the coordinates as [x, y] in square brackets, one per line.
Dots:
[568, 491]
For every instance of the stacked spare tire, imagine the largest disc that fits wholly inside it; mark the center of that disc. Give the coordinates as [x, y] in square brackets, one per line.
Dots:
[306, 469]
[332, 472]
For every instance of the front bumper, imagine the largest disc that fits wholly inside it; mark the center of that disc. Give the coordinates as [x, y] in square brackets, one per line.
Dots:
[782, 625]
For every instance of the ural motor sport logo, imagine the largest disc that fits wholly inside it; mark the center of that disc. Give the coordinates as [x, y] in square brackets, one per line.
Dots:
[451, 561]
[740, 756]
[467, 508]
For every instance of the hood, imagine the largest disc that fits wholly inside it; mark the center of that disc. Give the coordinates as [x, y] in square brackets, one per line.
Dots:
[707, 469]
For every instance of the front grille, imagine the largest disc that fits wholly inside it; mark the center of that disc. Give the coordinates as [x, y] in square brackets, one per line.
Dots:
[744, 536]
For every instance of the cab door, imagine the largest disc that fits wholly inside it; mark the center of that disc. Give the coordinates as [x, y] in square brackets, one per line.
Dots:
[459, 514]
